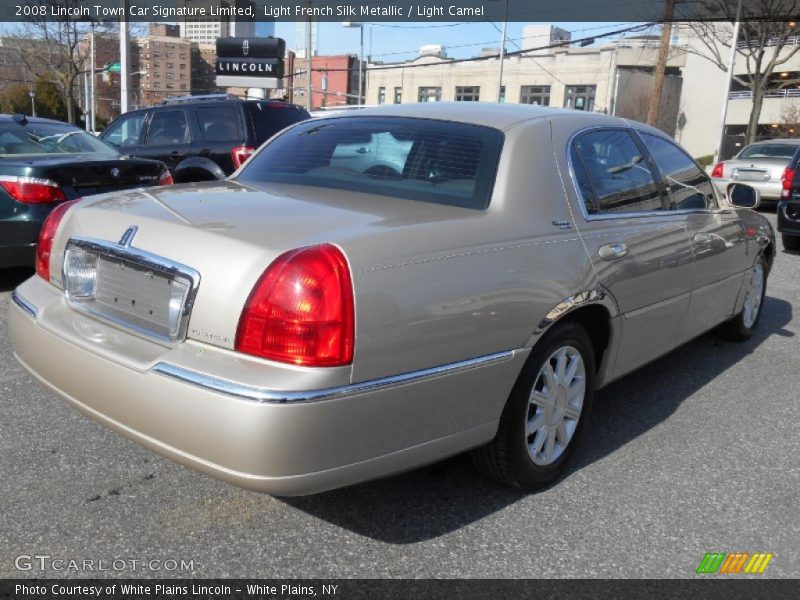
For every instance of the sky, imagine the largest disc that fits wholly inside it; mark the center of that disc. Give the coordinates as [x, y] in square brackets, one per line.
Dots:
[391, 42]
[401, 41]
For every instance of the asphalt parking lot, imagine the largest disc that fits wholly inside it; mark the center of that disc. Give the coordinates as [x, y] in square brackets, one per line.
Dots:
[694, 453]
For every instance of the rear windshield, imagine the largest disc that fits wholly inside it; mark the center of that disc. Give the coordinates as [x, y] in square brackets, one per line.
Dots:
[768, 151]
[269, 118]
[49, 138]
[416, 159]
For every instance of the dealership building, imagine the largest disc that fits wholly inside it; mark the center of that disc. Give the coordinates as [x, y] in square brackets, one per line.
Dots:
[613, 78]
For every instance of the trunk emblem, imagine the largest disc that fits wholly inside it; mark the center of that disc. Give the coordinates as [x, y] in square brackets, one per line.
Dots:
[115, 172]
[127, 238]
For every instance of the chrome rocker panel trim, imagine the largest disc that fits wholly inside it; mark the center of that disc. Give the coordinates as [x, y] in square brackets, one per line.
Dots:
[258, 394]
[24, 304]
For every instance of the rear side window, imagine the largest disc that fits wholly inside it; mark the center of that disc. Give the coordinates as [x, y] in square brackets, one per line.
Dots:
[269, 118]
[416, 159]
[688, 186]
[611, 166]
[218, 123]
[167, 127]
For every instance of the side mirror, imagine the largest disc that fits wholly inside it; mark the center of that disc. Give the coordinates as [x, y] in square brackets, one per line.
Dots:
[743, 196]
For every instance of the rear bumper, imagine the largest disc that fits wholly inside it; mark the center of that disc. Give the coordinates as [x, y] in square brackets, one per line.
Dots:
[789, 217]
[286, 442]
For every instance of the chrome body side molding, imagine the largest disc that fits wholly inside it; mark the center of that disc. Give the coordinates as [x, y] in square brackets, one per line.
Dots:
[258, 394]
[24, 304]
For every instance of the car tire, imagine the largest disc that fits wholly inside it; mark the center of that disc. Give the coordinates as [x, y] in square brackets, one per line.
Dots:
[529, 451]
[791, 242]
[743, 325]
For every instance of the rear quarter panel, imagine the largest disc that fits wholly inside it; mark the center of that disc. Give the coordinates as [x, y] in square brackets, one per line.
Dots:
[433, 294]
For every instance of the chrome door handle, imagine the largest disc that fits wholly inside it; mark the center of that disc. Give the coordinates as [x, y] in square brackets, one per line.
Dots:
[703, 239]
[613, 251]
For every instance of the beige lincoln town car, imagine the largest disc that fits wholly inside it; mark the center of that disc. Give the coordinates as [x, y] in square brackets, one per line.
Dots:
[375, 291]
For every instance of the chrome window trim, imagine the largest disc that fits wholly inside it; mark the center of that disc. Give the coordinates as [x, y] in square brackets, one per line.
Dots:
[266, 395]
[627, 215]
[24, 304]
[144, 259]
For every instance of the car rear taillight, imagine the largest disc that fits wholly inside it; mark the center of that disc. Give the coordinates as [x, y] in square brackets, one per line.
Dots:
[32, 190]
[301, 310]
[240, 154]
[786, 182]
[716, 172]
[46, 235]
[166, 178]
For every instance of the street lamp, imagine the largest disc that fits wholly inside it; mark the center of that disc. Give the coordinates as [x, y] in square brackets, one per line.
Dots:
[360, 59]
[32, 94]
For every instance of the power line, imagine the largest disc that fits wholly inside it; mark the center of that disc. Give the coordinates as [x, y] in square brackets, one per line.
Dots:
[452, 61]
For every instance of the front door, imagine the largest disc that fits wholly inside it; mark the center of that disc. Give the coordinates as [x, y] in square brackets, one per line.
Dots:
[716, 234]
[168, 137]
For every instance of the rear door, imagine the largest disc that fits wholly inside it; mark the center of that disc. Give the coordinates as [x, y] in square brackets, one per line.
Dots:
[716, 234]
[167, 137]
[640, 251]
[221, 130]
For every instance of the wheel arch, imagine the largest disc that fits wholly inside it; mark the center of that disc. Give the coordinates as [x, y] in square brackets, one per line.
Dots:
[596, 312]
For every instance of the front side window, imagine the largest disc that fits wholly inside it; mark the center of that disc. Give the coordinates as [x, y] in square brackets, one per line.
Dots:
[124, 133]
[688, 186]
[414, 159]
[580, 97]
[167, 127]
[469, 93]
[430, 94]
[616, 173]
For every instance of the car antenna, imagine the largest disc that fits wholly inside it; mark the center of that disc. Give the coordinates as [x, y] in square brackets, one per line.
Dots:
[21, 119]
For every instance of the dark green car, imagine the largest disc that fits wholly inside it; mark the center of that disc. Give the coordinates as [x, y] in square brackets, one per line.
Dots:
[44, 163]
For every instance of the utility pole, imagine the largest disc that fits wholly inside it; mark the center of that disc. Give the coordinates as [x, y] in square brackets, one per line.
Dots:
[308, 65]
[729, 76]
[92, 82]
[661, 63]
[124, 61]
[502, 55]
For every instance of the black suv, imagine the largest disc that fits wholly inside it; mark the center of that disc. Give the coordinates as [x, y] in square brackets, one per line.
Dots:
[201, 138]
[789, 211]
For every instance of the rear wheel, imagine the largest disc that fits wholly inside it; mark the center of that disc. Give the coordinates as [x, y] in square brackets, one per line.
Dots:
[545, 414]
[791, 242]
[742, 326]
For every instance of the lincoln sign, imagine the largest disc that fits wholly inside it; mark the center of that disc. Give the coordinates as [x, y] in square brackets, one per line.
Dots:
[250, 62]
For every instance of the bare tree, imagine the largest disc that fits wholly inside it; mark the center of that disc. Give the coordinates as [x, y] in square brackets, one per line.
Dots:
[51, 50]
[765, 45]
[789, 126]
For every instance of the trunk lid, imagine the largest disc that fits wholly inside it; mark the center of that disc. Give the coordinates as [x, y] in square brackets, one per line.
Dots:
[756, 170]
[87, 174]
[230, 232]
